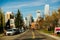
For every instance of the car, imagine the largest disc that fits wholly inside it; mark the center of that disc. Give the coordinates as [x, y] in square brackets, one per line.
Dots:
[21, 30]
[57, 30]
[17, 30]
[10, 32]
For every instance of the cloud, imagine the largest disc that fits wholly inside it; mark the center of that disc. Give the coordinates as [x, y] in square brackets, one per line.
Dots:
[54, 7]
[17, 5]
[55, 1]
[26, 4]
[23, 4]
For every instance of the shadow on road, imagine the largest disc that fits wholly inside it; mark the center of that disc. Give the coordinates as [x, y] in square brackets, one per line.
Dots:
[31, 39]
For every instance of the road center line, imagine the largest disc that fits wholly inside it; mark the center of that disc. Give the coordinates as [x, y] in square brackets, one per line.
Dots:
[33, 35]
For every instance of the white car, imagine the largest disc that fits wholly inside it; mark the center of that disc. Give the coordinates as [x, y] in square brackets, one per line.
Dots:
[10, 32]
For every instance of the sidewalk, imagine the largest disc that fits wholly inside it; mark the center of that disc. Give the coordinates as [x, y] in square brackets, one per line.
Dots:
[53, 36]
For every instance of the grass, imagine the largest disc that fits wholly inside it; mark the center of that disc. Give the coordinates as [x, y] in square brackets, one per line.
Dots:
[49, 32]
[58, 35]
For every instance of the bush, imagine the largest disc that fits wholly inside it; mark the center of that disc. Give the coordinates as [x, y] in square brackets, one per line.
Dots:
[1, 29]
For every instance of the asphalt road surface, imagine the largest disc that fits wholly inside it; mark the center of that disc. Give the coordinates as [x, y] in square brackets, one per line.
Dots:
[33, 35]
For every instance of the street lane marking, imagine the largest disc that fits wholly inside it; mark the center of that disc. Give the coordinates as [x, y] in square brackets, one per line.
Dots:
[40, 35]
[33, 35]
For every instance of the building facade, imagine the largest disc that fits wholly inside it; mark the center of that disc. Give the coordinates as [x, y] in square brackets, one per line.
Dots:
[7, 16]
[46, 13]
[38, 14]
[28, 20]
[9, 20]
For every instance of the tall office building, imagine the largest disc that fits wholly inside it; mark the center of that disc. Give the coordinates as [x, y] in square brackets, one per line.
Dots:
[28, 20]
[38, 13]
[46, 10]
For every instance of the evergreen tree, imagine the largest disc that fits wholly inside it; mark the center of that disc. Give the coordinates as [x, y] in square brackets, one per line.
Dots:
[32, 19]
[19, 23]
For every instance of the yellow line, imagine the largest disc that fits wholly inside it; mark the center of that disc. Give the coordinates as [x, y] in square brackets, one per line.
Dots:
[33, 35]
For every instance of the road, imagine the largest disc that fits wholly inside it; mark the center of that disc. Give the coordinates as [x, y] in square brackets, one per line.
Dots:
[33, 35]
[29, 35]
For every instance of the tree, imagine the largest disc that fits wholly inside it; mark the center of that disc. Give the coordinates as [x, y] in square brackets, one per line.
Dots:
[55, 18]
[58, 16]
[2, 20]
[59, 10]
[19, 20]
[39, 22]
[32, 19]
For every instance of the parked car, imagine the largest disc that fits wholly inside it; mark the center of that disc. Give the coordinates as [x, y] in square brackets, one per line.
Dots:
[17, 30]
[10, 32]
[21, 30]
[57, 30]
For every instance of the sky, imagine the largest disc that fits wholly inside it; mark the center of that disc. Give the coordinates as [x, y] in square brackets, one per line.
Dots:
[28, 6]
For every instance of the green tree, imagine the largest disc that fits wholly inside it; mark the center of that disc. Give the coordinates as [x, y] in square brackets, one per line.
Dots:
[32, 19]
[55, 18]
[2, 20]
[39, 22]
[19, 20]
[58, 16]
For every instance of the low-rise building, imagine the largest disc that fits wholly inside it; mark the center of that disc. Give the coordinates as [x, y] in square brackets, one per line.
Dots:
[9, 20]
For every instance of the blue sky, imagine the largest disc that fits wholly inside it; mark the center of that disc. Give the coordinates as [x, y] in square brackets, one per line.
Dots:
[28, 6]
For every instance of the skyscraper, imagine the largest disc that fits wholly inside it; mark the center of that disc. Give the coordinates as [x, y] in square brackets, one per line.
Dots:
[46, 10]
[38, 13]
[28, 20]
